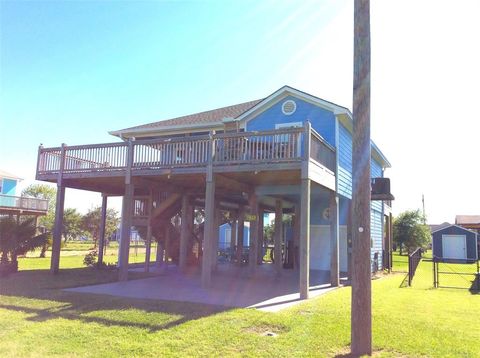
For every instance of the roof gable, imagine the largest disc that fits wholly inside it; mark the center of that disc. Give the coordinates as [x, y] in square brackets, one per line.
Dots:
[456, 226]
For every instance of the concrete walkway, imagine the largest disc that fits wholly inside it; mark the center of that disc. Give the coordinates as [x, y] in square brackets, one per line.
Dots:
[231, 287]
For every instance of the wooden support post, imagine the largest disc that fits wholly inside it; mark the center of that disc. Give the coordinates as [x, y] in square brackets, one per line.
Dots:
[253, 249]
[296, 237]
[127, 210]
[168, 244]
[240, 234]
[349, 240]
[148, 248]
[305, 239]
[103, 223]
[57, 229]
[209, 226]
[361, 340]
[305, 216]
[159, 254]
[148, 241]
[216, 237]
[233, 234]
[127, 213]
[334, 241]
[260, 237]
[278, 236]
[390, 240]
[184, 234]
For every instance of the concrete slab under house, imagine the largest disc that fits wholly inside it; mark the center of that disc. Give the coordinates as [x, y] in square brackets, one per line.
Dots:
[289, 154]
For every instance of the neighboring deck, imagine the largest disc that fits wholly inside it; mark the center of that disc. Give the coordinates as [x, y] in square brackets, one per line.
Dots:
[23, 205]
[240, 153]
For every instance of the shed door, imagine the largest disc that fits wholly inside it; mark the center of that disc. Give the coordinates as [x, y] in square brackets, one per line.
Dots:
[454, 246]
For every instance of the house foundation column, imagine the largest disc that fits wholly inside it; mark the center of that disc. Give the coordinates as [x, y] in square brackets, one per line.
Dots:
[184, 234]
[57, 230]
[240, 234]
[58, 226]
[103, 223]
[167, 242]
[233, 234]
[216, 238]
[209, 232]
[253, 249]
[296, 237]
[159, 254]
[260, 238]
[305, 238]
[127, 211]
[334, 241]
[278, 236]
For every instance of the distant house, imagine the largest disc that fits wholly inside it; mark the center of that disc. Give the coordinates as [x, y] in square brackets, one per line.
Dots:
[471, 222]
[11, 204]
[435, 227]
[455, 243]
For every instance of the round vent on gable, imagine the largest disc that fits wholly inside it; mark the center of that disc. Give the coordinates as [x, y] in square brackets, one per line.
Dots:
[289, 107]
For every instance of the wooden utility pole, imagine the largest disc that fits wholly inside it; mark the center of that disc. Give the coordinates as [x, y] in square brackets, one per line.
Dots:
[361, 267]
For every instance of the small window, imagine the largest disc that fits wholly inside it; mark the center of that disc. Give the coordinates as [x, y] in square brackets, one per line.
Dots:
[1, 186]
[289, 107]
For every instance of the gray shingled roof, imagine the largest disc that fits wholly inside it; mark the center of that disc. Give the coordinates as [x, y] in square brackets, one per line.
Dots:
[212, 116]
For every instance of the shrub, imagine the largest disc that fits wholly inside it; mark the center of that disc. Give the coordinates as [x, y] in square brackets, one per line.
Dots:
[90, 259]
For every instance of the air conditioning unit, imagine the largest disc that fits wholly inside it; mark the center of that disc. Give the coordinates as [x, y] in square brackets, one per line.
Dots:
[381, 189]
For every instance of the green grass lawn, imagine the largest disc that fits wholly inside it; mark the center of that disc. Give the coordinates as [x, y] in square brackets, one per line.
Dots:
[72, 255]
[39, 319]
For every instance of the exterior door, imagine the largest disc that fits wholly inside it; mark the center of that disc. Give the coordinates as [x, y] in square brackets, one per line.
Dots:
[454, 247]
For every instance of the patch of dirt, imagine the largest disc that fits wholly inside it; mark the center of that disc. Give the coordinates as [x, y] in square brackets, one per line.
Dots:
[266, 330]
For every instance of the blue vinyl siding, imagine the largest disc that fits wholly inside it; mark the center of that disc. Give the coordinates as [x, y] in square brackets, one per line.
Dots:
[344, 162]
[9, 187]
[322, 120]
[376, 229]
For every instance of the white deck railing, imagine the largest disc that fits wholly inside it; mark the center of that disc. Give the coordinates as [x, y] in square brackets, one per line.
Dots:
[23, 203]
[269, 147]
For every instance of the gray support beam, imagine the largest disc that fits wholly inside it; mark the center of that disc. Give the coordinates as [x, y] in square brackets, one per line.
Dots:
[209, 233]
[216, 237]
[296, 237]
[278, 236]
[168, 243]
[334, 241]
[233, 234]
[305, 238]
[253, 249]
[159, 254]
[240, 232]
[57, 229]
[148, 241]
[260, 238]
[184, 234]
[127, 211]
[209, 226]
[103, 223]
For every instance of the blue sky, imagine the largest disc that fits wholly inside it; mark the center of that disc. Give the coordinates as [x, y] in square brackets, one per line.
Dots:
[72, 71]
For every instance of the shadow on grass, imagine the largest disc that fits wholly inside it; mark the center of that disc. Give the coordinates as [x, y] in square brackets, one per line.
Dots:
[153, 315]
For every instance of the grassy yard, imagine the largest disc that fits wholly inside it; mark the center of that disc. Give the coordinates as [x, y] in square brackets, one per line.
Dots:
[39, 319]
[72, 255]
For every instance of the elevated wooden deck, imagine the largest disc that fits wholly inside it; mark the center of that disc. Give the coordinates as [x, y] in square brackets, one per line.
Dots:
[236, 154]
[23, 205]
